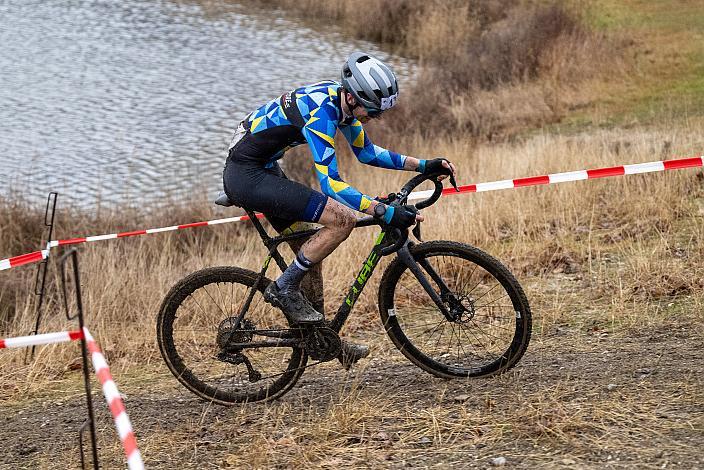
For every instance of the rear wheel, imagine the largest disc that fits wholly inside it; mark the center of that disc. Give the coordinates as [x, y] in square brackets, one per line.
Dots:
[490, 324]
[196, 322]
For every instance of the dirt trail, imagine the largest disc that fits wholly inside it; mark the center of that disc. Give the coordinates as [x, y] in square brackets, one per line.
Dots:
[576, 400]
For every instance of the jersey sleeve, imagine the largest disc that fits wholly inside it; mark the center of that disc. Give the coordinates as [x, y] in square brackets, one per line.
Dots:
[319, 131]
[367, 152]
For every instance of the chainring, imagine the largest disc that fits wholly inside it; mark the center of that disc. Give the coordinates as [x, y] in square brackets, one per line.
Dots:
[227, 334]
[323, 344]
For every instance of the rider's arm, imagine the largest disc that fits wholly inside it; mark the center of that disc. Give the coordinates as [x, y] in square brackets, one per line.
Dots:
[319, 131]
[413, 164]
[367, 152]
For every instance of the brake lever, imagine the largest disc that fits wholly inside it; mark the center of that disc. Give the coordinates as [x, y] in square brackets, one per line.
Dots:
[416, 232]
[386, 199]
[453, 182]
[416, 228]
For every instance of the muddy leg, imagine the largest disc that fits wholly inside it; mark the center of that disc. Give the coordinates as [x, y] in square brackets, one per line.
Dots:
[312, 283]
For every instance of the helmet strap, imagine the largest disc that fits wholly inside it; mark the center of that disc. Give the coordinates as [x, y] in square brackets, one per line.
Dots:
[356, 105]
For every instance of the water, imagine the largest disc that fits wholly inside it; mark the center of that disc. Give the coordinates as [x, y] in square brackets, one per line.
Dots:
[113, 102]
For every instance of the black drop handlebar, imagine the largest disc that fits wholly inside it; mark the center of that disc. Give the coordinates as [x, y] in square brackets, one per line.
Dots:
[400, 198]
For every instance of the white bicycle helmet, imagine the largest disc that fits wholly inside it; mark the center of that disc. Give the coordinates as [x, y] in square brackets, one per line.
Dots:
[370, 81]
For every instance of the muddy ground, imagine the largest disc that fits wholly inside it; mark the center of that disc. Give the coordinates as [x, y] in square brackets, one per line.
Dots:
[578, 399]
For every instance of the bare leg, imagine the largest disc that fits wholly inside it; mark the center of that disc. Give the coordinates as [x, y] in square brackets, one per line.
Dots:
[338, 221]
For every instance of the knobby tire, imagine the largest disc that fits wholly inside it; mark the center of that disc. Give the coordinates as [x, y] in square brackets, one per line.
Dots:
[400, 306]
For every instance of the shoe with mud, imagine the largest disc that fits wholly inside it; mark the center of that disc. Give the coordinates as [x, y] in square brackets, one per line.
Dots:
[350, 353]
[296, 308]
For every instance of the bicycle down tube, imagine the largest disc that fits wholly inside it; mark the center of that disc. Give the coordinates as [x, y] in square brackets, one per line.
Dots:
[358, 285]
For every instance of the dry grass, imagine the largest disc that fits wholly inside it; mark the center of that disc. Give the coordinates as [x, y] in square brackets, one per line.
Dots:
[612, 269]
[576, 215]
[631, 239]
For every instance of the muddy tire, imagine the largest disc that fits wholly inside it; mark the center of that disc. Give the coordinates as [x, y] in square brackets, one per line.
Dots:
[488, 337]
[188, 323]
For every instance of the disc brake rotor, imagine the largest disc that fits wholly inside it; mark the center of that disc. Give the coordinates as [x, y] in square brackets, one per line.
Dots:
[461, 307]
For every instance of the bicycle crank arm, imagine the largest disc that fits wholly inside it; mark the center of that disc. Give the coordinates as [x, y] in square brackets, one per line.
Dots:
[404, 255]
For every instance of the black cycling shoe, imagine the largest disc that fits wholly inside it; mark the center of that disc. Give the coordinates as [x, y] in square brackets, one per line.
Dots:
[350, 353]
[296, 308]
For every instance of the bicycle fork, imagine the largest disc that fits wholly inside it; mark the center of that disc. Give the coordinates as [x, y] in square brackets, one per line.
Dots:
[404, 254]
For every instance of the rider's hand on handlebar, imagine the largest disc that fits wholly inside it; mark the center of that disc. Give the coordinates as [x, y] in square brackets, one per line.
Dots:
[439, 165]
[402, 216]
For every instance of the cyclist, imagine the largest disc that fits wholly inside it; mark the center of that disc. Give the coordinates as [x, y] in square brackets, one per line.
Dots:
[312, 114]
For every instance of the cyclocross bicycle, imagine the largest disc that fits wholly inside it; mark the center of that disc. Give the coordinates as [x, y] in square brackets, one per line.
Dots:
[451, 309]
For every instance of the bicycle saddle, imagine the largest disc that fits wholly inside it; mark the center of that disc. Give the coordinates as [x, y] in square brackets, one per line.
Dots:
[223, 200]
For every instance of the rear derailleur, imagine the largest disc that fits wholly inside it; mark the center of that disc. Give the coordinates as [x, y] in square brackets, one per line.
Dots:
[237, 359]
[226, 335]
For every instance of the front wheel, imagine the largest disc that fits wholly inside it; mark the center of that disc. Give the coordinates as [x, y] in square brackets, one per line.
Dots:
[490, 320]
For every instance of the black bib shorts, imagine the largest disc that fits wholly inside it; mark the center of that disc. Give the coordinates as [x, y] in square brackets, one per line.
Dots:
[250, 184]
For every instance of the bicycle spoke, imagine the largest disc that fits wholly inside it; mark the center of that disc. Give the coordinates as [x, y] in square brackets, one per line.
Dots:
[205, 289]
[484, 332]
[491, 301]
[442, 332]
[232, 298]
[485, 293]
[196, 319]
[470, 340]
[502, 327]
[222, 299]
[434, 329]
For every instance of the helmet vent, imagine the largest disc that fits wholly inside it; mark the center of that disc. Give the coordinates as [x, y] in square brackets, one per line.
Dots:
[369, 80]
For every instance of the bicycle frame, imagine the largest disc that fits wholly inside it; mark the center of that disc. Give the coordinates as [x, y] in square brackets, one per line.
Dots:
[360, 280]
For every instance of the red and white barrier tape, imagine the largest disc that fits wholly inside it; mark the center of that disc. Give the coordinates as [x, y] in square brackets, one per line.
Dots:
[648, 167]
[38, 256]
[34, 257]
[112, 395]
[36, 340]
[74, 241]
[114, 401]
[579, 175]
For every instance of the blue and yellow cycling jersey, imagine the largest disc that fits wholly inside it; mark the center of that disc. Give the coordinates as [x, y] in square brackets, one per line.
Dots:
[312, 115]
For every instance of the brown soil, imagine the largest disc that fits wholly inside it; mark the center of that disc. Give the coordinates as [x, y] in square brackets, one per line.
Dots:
[578, 399]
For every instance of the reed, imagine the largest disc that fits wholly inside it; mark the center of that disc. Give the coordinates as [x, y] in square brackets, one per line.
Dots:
[478, 59]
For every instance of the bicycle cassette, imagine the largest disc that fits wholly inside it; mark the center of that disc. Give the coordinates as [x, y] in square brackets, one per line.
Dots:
[228, 335]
